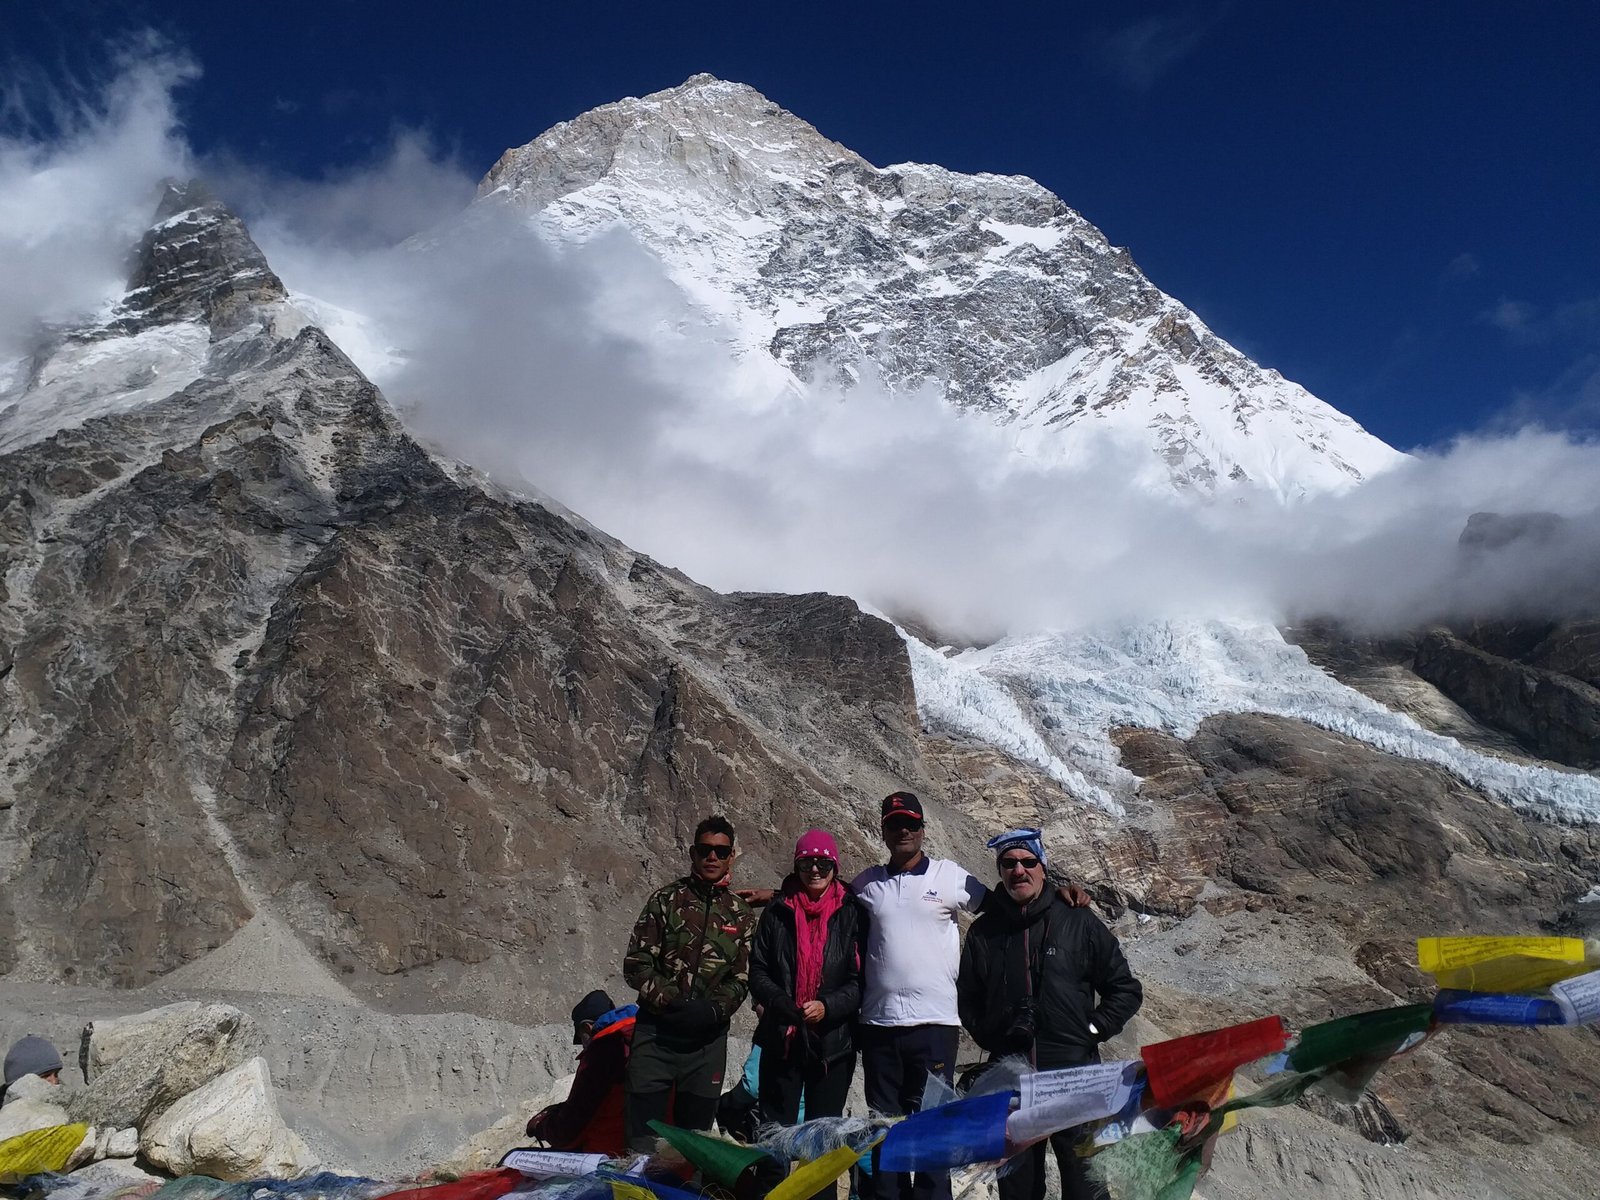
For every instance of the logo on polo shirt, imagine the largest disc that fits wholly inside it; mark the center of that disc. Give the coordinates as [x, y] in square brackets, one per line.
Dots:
[931, 894]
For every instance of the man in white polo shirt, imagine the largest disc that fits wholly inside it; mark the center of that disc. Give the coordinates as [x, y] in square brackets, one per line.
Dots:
[908, 1019]
[909, 1023]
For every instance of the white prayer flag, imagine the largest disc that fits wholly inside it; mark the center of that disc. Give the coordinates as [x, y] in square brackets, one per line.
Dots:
[1056, 1100]
[550, 1164]
[1579, 998]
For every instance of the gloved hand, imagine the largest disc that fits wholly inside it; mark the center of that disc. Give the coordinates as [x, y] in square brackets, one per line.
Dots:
[787, 1012]
[691, 1017]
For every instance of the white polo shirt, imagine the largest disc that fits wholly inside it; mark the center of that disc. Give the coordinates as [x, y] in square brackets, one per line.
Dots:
[913, 941]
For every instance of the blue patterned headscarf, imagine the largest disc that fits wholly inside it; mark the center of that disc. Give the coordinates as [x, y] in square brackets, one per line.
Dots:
[1031, 840]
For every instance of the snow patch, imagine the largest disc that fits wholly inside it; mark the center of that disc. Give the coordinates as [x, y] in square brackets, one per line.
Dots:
[82, 380]
[1041, 238]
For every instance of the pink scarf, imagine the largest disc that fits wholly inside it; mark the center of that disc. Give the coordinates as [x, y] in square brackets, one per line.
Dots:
[811, 919]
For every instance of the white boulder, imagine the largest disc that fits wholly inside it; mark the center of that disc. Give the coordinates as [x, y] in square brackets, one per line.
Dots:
[137, 1066]
[117, 1143]
[229, 1129]
[31, 1104]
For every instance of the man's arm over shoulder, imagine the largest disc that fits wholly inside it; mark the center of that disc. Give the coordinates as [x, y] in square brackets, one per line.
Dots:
[1120, 994]
[864, 879]
[970, 891]
[642, 966]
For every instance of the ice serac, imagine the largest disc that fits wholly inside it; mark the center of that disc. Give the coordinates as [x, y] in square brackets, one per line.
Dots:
[986, 287]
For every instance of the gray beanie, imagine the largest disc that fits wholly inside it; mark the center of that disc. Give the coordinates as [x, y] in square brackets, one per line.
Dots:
[31, 1055]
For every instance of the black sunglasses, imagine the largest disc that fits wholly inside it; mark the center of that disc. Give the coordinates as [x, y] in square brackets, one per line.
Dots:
[702, 850]
[1027, 863]
[910, 823]
[823, 866]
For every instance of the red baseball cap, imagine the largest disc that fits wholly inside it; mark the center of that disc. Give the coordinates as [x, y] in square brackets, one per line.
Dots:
[902, 804]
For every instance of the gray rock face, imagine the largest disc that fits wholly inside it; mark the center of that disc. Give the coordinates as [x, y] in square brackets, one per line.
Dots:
[198, 262]
[266, 654]
[1551, 713]
[988, 288]
[31, 1103]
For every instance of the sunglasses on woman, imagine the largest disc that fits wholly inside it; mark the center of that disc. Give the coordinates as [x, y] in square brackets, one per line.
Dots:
[822, 866]
[702, 850]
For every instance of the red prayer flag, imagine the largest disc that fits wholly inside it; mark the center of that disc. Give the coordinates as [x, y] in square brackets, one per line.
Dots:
[1182, 1068]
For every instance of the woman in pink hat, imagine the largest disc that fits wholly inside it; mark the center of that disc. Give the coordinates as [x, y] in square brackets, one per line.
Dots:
[805, 979]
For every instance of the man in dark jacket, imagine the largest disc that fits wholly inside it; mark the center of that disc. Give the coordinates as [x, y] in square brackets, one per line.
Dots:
[689, 956]
[1042, 978]
[589, 1120]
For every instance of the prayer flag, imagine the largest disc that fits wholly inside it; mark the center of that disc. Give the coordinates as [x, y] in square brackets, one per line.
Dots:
[1454, 1007]
[1579, 999]
[1380, 1032]
[812, 1177]
[953, 1135]
[1183, 1067]
[1500, 964]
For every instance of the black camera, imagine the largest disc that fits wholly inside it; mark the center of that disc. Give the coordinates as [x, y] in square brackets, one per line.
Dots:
[1024, 1024]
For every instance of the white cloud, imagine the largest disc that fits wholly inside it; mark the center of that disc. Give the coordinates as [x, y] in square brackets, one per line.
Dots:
[1141, 52]
[77, 183]
[399, 192]
[585, 373]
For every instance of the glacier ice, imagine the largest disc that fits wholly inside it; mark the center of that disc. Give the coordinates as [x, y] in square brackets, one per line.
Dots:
[1051, 699]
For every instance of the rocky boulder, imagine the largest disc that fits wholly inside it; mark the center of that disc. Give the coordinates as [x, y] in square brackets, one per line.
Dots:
[229, 1129]
[31, 1104]
[137, 1067]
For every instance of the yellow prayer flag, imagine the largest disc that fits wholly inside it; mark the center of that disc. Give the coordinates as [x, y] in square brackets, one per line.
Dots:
[39, 1150]
[630, 1191]
[1230, 1122]
[1500, 964]
[816, 1174]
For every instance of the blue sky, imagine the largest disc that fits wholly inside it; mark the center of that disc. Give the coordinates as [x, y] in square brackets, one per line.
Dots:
[1392, 203]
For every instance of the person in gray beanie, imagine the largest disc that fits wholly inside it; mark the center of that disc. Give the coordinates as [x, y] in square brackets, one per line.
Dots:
[32, 1055]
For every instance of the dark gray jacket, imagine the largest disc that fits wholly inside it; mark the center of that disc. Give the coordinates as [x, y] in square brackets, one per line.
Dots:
[1065, 960]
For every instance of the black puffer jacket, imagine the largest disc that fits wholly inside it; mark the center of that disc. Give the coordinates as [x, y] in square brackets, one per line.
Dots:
[772, 979]
[1065, 959]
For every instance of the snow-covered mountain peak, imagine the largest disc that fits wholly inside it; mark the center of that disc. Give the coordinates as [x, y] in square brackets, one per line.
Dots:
[985, 286]
[706, 134]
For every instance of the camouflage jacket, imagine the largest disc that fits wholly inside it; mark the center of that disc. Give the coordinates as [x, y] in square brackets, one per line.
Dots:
[691, 942]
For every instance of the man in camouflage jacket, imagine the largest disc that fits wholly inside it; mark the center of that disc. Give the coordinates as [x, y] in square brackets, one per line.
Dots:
[689, 957]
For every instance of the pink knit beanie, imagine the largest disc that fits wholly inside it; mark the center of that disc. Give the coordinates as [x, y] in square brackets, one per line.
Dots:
[817, 843]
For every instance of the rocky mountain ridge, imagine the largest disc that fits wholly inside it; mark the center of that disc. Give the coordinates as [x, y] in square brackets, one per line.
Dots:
[985, 287]
[286, 700]
[260, 648]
